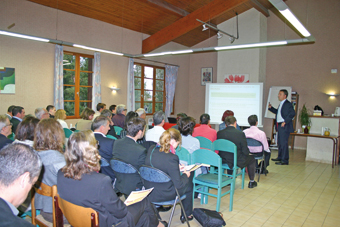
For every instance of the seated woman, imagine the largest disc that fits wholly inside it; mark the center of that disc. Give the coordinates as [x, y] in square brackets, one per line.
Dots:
[49, 142]
[86, 120]
[226, 114]
[60, 116]
[186, 127]
[128, 117]
[107, 113]
[80, 183]
[25, 131]
[162, 156]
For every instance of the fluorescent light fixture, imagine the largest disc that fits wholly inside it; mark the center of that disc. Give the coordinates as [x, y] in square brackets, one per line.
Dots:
[168, 52]
[295, 22]
[182, 52]
[156, 54]
[96, 49]
[277, 43]
[24, 36]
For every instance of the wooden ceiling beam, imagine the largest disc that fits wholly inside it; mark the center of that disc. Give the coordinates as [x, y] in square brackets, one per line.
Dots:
[259, 7]
[168, 6]
[188, 23]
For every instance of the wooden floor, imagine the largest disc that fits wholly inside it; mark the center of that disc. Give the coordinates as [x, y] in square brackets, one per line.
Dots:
[300, 194]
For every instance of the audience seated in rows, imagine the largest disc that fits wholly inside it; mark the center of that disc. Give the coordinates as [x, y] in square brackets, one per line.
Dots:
[100, 108]
[18, 113]
[41, 113]
[60, 116]
[204, 130]
[19, 169]
[49, 142]
[107, 113]
[163, 156]
[9, 112]
[5, 130]
[155, 133]
[227, 113]
[51, 110]
[86, 120]
[186, 127]
[25, 131]
[244, 159]
[80, 183]
[101, 125]
[119, 118]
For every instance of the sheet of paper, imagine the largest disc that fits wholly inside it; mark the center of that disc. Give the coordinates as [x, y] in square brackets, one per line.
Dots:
[137, 196]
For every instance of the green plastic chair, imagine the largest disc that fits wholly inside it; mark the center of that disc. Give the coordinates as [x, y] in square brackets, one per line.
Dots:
[183, 155]
[212, 180]
[204, 142]
[11, 137]
[111, 137]
[224, 145]
[117, 129]
[67, 132]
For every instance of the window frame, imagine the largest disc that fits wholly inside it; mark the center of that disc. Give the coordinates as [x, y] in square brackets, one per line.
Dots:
[77, 85]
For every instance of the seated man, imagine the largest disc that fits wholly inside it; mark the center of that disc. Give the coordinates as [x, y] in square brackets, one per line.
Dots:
[129, 151]
[255, 133]
[100, 108]
[101, 125]
[41, 113]
[51, 110]
[9, 112]
[5, 130]
[18, 113]
[244, 159]
[119, 118]
[20, 167]
[155, 133]
[204, 130]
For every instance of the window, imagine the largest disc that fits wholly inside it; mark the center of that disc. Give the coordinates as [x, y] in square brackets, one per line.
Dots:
[77, 83]
[149, 87]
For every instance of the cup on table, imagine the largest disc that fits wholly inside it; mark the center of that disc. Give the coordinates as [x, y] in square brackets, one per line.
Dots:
[299, 131]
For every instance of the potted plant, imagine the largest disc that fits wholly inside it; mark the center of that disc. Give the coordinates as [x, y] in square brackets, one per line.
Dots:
[304, 118]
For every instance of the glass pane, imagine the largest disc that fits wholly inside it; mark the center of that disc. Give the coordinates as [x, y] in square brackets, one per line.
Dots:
[69, 61]
[159, 85]
[69, 77]
[137, 70]
[83, 105]
[86, 79]
[85, 93]
[147, 96]
[137, 95]
[69, 108]
[148, 84]
[138, 83]
[137, 105]
[68, 93]
[159, 96]
[148, 72]
[159, 73]
[159, 106]
[85, 64]
[148, 107]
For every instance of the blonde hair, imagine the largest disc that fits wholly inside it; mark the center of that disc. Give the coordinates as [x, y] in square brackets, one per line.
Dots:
[81, 155]
[165, 138]
[60, 114]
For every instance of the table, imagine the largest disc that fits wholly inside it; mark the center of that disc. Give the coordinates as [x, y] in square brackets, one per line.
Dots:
[335, 139]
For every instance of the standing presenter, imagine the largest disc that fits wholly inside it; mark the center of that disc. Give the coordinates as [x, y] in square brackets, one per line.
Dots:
[284, 116]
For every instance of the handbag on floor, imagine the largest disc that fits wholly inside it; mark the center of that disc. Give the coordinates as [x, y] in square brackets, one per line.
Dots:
[208, 218]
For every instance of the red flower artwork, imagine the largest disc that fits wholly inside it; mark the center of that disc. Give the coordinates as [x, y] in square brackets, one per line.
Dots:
[234, 78]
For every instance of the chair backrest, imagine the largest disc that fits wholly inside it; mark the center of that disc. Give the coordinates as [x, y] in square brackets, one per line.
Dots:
[67, 132]
[207, 157]
[120, 166]
[183, 155]
[111, 137]
[77, 216]
[204, 142]
[45, 190]
[254, 143]
[225, 146]
[154, 175]
[117, 129]
[11, 136]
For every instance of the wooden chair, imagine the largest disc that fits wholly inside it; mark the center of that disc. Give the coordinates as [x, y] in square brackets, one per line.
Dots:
[77, 216]
[45, 190]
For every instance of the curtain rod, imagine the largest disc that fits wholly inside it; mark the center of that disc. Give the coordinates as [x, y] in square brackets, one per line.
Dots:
[143, 59]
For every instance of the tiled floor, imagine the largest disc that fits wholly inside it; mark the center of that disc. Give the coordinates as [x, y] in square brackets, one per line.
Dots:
[300, 194]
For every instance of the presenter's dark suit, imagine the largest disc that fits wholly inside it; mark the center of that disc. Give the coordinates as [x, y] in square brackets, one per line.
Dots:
[8, 219]
[243, 157]
[129, 151]
[169, 164]
[287, 113]
[105, 151]
[95, 190]
[4, 141]
[15, 122]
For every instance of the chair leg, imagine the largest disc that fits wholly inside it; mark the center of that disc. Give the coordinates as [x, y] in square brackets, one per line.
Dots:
[182, 208]
[231, 201]
[243, 175]
[172, 211]
[218, 204]
[265, 165]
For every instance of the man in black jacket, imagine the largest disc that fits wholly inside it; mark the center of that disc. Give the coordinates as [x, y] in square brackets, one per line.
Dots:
[20, 167]
[243, 157]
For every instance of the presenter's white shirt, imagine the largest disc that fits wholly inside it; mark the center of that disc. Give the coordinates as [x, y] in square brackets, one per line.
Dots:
[154, 134]
[279, 117]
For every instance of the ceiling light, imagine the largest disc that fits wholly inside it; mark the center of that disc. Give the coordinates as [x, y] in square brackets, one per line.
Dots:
[23, 36]
[204, 28]
[295, 22]
[219, 35]
[232, 39]
[182, 52]
[96, 49]
[114, 88]
[277, 43]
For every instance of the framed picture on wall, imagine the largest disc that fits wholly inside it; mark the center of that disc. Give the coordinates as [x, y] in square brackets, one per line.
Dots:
[206, 76]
